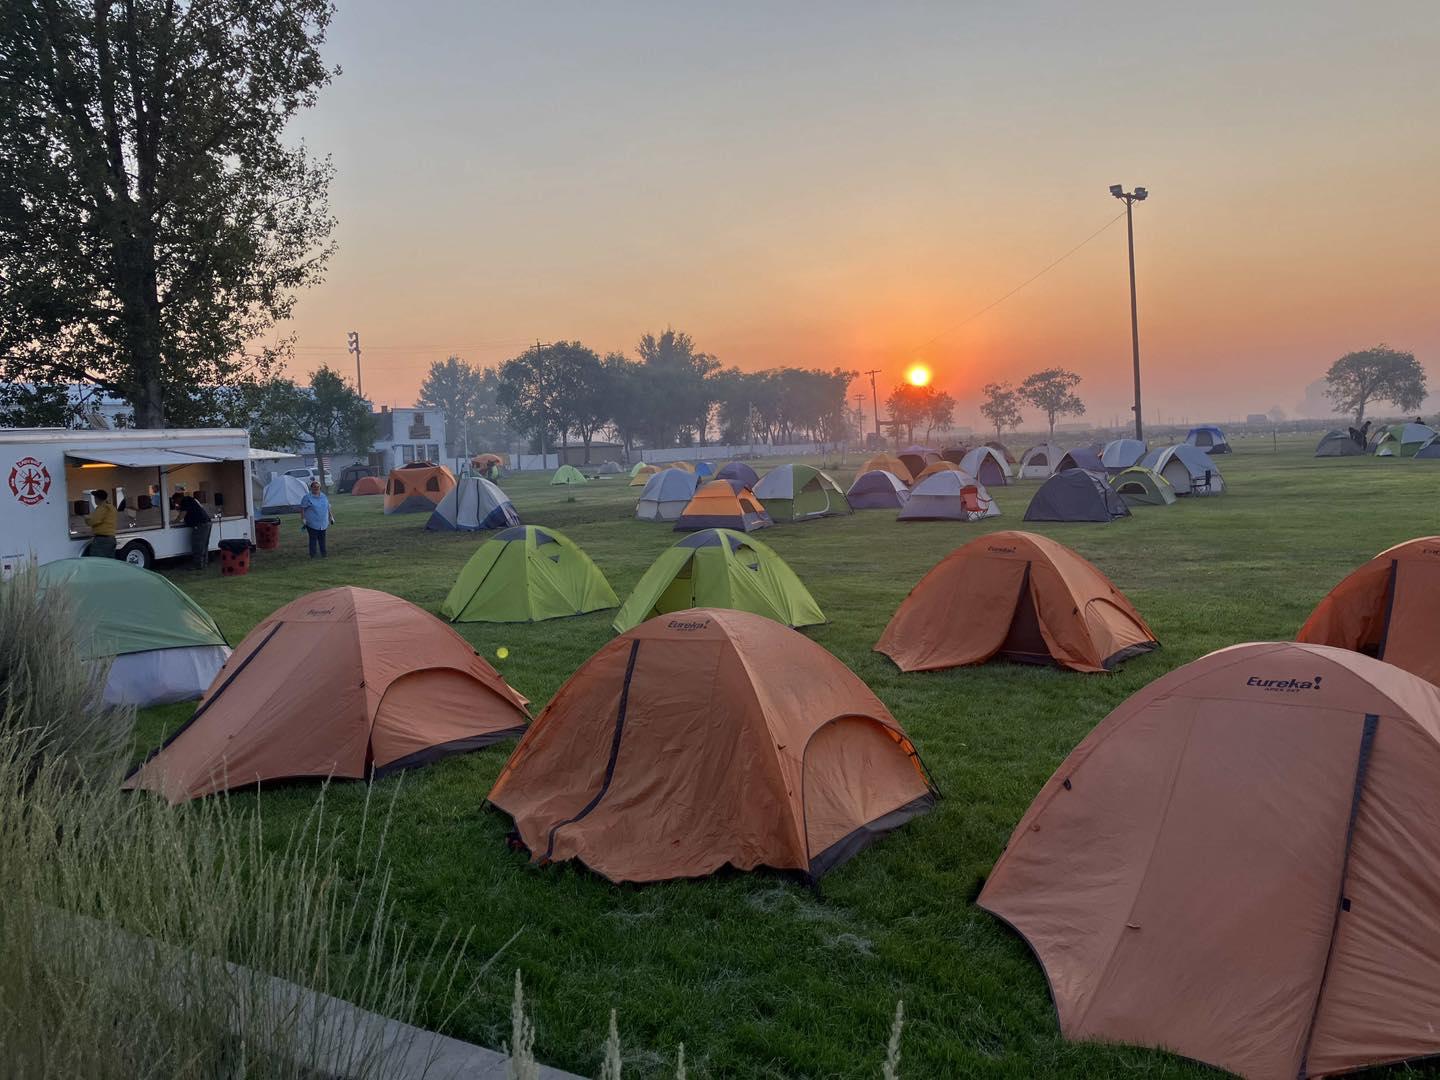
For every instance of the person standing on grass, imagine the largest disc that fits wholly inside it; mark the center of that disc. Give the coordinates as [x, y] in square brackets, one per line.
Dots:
[197, 519]
[102, 524]
[316, 518]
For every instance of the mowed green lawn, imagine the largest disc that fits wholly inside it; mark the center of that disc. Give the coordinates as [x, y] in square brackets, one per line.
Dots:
[756, 975]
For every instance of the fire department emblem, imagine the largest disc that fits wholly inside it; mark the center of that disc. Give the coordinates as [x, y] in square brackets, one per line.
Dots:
[29, 481]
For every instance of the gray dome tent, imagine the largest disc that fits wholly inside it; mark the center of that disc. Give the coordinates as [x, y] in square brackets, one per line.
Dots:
[1076, 495]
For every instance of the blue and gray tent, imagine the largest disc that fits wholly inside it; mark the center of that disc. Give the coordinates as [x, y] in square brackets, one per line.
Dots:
[1209, 438]
[1076, 495]
[473, 504]
[1082, 457]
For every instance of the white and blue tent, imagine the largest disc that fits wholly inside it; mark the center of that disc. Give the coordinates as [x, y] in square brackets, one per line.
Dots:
[473, 504]
[1189, 469]
[666, 495]
[1120, 454]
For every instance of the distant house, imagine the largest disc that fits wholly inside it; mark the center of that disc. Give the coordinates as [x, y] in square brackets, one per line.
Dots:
[1258, 418]
[407, 435]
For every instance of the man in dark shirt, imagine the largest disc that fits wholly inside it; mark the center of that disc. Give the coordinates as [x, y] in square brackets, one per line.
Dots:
[197, 519]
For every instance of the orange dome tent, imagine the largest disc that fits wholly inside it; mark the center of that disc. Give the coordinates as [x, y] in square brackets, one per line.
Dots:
[779, 756]
[343, 682]
[368, 485]
[1240, 865]
[417, 487]
[887, 463]
[717, 505]
[935, 467]
[1018, 596]
[1389, 608]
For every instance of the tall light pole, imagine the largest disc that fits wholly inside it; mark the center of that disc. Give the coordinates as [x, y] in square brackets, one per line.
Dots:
[540, 384]
[1131, 198]
[875, 400]
[352, 342]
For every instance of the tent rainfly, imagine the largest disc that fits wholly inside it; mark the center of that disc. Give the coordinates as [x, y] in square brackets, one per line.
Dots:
[568, 474]
[1388, 608]
[1016, 596]
[877, 489]
[368, 485]
[347, 683]
[1336, 443]
[1190, 471]
[417, 487]
[527, 574]
[1039, 462]
[717, 505]
[1001, 449]
[473, 504]
[1239, 865]
[987, 465]
[282, 495]
[740, 476]
[949, 496]
[891, 464]
[718, 568]
[780, 756]
[1120, 454]
[1082, 457]
[1208, 438]
[800, 493]
[1076, 495]
[161, 645]
[1138, 486]
[666, 495]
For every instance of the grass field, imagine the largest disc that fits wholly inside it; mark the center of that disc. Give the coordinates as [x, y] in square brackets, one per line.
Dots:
[759, 976]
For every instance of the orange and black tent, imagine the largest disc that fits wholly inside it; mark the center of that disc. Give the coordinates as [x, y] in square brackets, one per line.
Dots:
[345, 683]
[1389, 608]
[1241, 864]
[417, 487]
[710, 738]
[1020, 597]
[717, 505]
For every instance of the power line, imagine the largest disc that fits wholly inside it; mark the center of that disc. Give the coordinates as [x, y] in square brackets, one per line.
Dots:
[1033, 278]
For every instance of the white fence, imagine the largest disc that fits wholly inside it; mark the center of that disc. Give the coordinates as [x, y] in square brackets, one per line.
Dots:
[695, 453]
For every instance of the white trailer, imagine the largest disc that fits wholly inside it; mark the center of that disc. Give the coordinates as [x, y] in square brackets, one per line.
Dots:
[47, 476]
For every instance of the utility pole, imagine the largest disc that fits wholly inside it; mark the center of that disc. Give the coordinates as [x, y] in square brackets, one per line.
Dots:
[544, 420]
[353, 343]
[875, 399]
[1131, 198]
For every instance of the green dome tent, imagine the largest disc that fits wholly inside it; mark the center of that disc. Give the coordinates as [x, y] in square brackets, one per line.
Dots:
[568, 474]
[162, 646]
[527, 574]
[800, 492]
[1140, 486]
[725, 569]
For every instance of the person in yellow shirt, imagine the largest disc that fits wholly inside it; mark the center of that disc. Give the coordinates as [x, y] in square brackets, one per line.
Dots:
[102, 524]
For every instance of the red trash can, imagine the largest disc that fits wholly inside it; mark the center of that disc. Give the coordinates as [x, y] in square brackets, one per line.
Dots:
[267, 533]
[234, 557]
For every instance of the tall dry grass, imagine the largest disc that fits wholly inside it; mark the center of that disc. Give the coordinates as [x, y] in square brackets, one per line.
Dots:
[138, 940]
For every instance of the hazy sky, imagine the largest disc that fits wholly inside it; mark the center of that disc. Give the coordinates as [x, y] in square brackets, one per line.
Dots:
[835, 184]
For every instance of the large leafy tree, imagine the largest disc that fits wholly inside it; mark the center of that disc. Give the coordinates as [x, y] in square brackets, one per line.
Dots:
[272, 410]
[154, 219]
[1377, 374]
[1001, 407]
[678, 387]
[457, 390]
[335, 418]
[911, 406]
[1052, 391]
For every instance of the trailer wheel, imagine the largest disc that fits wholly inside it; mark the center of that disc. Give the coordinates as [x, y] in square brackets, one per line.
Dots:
[138, 553]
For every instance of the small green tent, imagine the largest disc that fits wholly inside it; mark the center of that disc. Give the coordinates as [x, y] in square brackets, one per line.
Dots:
[161, 645]
[527, 574]
[1140, 486]
[798, 492]
[725, 569]
[568, 474]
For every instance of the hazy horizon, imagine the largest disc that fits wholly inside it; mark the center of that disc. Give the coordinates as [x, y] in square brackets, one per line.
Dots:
[838, 185]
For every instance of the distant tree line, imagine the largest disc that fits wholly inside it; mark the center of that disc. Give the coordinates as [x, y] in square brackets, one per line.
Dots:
[669, 393]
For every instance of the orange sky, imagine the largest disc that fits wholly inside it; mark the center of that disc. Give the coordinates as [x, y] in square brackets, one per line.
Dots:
[827, 184]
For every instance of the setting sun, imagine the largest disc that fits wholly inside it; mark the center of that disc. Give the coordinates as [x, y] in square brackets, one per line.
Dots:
[918, 375]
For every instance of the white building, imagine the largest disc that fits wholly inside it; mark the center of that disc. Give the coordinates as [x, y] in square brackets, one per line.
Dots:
[406, 435]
